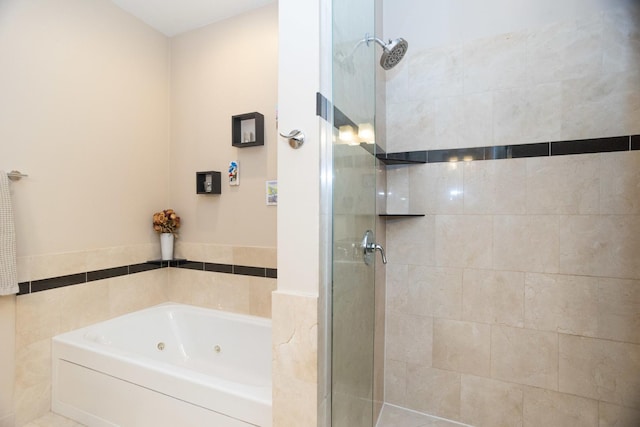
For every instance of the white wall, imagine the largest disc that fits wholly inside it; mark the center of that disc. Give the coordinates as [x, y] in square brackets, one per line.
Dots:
[299, 170]
[295, 304]
[84, 112]
[224, 69]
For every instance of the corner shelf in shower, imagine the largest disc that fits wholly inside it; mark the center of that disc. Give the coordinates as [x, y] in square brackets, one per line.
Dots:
[404, 158]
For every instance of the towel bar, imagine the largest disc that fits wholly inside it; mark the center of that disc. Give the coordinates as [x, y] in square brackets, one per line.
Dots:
[16, 175]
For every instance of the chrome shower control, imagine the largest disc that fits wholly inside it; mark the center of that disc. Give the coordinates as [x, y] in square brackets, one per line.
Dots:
[295, 137]
[369, 248]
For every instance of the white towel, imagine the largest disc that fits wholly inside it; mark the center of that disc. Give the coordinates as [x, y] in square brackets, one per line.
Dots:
[8, 267]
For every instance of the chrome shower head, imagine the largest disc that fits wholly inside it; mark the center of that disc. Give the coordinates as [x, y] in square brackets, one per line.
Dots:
[393, 52]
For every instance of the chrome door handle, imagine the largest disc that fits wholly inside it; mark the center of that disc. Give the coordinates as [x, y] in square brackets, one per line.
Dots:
[369, 248]
[295, 137]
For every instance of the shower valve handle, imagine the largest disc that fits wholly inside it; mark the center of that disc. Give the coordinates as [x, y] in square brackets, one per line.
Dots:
[376, 247]
[295, 137]
[370, 247]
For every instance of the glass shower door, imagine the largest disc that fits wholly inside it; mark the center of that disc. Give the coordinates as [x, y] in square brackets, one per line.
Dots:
[354, 210]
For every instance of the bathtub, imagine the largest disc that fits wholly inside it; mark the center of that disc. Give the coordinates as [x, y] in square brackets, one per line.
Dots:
[168, 365]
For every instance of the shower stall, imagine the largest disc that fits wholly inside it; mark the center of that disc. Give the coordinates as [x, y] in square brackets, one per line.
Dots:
[514, 298]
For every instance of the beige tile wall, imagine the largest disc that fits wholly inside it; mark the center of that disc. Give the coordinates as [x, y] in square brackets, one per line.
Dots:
[241, 294]
[380, 300]
[42, 315]
[516, 299]
[227, 254]
[565, 80]
[38, 267]
[295, 360]
[228, 292]
[529, 313]
[7, 358]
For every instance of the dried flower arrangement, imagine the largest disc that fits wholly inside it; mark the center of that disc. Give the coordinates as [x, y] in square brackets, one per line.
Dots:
[166, 221]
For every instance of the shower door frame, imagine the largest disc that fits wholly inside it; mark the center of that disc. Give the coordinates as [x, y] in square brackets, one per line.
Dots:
[327, 135]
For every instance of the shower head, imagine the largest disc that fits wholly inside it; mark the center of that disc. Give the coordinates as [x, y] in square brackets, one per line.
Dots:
[393, 52]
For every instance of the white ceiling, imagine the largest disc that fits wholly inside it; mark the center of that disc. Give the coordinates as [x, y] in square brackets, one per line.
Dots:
[172, 17]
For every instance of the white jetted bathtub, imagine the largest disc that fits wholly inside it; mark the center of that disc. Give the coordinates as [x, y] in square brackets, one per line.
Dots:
[169, 365]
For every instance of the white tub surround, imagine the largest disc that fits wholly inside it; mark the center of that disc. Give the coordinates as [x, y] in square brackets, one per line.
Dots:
[167, 365]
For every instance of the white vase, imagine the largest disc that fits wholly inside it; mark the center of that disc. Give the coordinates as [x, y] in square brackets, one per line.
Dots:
[166, 246]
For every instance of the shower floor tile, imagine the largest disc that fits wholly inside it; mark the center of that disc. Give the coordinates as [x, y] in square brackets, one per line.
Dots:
[395, 416]
[53, 420]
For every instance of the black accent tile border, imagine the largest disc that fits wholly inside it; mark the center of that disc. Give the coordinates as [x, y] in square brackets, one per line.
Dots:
[520, 151]
[455, 155]
[58, 282]
[107, 273]
[272, 273]
[498, 152]
[250, 271]
[341, 119]
[322, 106]
[218, 268]
[403, 158]
[25, 288]
[584, 146]
[191, 265]
[147, 266]
[515, 151]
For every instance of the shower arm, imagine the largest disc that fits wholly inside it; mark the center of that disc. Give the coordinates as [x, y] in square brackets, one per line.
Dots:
[369, 39]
